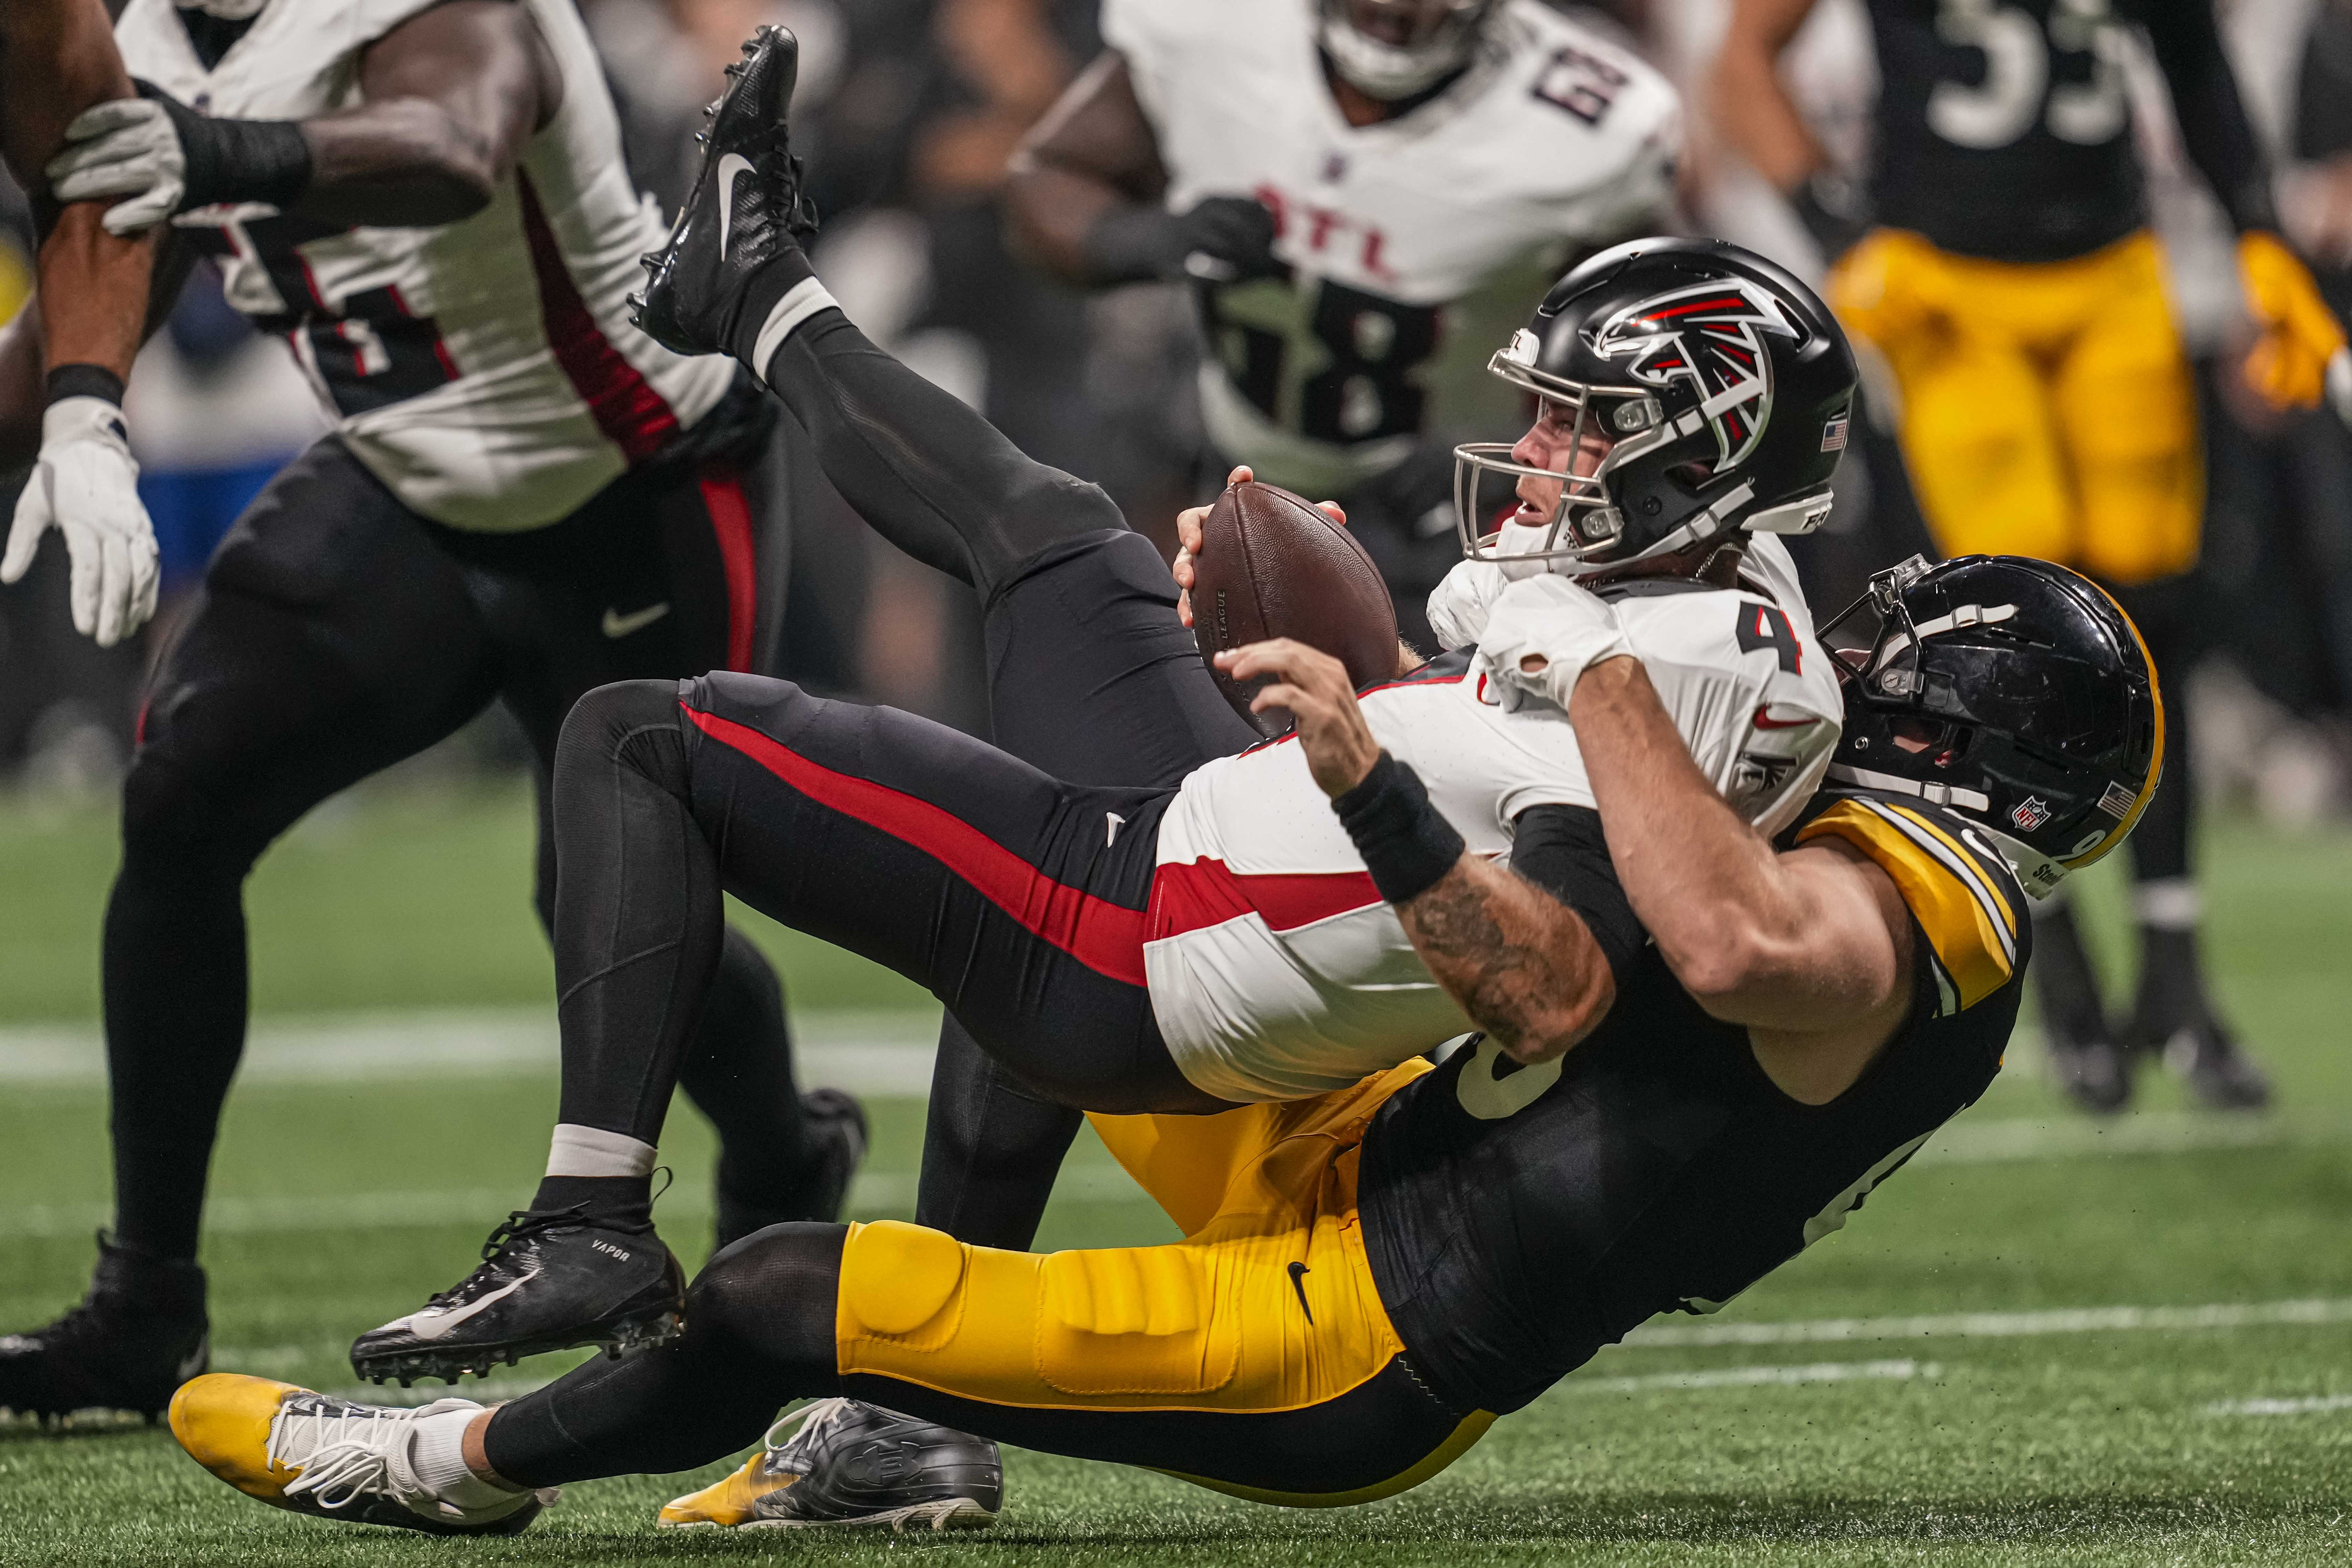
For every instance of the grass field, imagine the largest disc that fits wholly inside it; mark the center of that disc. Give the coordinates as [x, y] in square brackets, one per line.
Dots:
[2046, 1342]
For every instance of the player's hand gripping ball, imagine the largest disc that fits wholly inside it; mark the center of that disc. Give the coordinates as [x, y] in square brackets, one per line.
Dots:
[1261, 564]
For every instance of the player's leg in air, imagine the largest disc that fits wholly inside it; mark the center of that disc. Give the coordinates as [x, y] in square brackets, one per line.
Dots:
[875, 830]
[343, 628]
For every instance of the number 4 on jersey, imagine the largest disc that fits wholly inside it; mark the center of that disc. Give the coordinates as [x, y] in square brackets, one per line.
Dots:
[1763, 625]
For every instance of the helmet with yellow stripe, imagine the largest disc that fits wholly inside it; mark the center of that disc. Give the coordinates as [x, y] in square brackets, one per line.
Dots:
[2014, 692]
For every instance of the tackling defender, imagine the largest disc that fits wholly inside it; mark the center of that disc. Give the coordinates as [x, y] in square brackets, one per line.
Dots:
[1370, 1277]
[1218, 939]
[2048, 406]
[523, 498]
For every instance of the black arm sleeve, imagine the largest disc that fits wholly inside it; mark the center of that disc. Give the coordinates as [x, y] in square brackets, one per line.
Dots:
[1561, 849]
[2323, 119]
[2213, 124]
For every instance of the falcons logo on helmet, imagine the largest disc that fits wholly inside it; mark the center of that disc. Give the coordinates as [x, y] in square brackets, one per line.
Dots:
[1705, 335]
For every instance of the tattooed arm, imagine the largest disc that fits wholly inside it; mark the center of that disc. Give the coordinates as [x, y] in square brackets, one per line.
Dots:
[1523, 965]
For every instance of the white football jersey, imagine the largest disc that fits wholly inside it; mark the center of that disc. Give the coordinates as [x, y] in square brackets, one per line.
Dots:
[485, 370]
[1417, 245]
[1278, 972]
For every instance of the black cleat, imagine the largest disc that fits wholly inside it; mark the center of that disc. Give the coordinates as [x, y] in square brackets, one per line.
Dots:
[836, 1127]
[548, 1281]
[2216, 1074]
[2092, 1070]
[852, 1463]
[746, 208]
[138, 1335]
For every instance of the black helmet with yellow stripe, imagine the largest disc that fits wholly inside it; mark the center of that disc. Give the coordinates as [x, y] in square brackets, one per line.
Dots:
[2014, 692]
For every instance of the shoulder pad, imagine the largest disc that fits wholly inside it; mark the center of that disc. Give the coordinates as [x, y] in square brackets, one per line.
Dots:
[1959, 889]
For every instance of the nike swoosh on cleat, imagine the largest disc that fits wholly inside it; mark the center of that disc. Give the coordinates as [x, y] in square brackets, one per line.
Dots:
[730, 168]
[618, 625]
[443, 1323]
[1299, 1273]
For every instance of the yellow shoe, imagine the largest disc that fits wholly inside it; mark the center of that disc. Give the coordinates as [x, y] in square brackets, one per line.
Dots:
[311, 1454]
[848, 1463]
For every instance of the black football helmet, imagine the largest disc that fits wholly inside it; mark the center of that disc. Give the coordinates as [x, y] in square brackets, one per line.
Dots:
[1412, 46]
[2012, 691]
[1724, 383]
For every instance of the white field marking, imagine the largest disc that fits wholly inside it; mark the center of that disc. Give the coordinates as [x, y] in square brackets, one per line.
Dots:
[1757, 1377]
[865, 1053]
[873, 1194]
[1997, 1325]
[2313, 1405]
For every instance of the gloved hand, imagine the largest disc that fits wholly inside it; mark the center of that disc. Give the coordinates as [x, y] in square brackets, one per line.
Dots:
[1556, 625]
[1219, 239]
[2298, 333]
[165, 158]
[87, 485]
[1458, 606]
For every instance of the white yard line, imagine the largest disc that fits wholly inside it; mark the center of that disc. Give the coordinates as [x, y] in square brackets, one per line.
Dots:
[2313, 1405]
[1997, 1325]
[1756, 1377]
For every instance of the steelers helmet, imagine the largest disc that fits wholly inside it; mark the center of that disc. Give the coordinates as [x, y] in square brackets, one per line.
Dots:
[1722, 385]
[2014, 692]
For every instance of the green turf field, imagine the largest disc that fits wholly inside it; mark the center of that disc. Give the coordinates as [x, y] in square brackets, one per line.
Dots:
[2044, 1342]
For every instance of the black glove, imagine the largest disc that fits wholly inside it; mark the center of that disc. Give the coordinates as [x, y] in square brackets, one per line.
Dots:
[1220, 240]
[1833, 213]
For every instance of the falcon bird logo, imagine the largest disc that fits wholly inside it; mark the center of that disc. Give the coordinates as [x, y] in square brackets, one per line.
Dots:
[1708, 336]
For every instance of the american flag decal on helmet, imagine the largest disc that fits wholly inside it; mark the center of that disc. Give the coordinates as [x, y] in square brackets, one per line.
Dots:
[1705, 335]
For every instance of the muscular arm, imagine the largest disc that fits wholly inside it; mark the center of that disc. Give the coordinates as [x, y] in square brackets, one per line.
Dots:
[1093, 154]
[57, 58]
[1751, 106]
[1811, 948]
[452, 97]
[1523, 965]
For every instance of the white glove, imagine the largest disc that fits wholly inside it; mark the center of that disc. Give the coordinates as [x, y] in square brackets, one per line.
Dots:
[87, 485]
[1550, 619]
[1458, 606]
[127, 147]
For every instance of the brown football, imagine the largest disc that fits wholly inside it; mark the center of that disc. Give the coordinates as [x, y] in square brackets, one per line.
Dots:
[1272, 566]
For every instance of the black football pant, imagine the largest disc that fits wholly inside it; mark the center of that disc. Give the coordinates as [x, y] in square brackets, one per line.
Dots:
[918, 847]
[338, 633]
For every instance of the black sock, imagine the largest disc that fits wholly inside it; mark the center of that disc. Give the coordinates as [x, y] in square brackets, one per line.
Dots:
[2065, 983]
[785, 272]
[617, 1203]
[2171, 981]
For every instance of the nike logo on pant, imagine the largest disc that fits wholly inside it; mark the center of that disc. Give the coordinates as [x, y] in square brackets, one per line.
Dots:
[618, 625]
[1116, 822]
[1299, 1273]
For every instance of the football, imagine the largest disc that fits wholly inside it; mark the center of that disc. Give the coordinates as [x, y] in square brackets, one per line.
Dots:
[1272, 566]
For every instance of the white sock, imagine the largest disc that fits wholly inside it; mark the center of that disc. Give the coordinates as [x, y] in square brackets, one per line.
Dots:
[437, 1452]
[2168, 903]
[801, 301]
[579, 1151]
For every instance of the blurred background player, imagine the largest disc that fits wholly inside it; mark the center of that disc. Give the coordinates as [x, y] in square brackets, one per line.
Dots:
[2002, 266]
[1367, 196]
[523, 498]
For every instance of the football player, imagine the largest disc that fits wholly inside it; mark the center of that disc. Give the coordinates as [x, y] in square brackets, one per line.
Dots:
[1369, 1278]
[1366, 194]
[1218, 938]
[2010, 282]
[523, 498]
[58, 59]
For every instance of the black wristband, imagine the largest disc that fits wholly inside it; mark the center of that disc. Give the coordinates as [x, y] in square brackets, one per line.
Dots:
[85, 381]
[236, 160]
[1406, 846]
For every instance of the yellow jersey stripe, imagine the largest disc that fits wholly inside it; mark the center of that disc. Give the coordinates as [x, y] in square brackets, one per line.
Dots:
[1971, 862]
[1971, 941]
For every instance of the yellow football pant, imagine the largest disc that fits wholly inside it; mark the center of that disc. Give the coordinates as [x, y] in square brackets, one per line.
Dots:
[1253, 1356]
[2047, 409]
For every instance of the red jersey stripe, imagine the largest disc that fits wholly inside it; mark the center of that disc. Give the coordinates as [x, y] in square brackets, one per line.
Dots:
[1195, 895]
[1105, 937]
[631, 413]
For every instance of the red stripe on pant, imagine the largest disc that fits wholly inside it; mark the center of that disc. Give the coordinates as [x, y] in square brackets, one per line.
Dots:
[730, 524]
[1106, 938]
[1196, 894]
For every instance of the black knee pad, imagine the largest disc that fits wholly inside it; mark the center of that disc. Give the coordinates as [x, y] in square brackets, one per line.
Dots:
[773, 1293]
[632, 723]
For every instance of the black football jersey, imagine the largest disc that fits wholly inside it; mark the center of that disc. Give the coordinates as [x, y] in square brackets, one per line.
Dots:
[2003, 128]
[1519, 1218]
